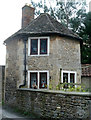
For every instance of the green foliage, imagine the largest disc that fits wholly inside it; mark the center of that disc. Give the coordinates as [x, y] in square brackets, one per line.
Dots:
[86, 35]
[58, 87]
[2, 102]
[50, 87]
[26, 113]
[63, 11]
[71, 87]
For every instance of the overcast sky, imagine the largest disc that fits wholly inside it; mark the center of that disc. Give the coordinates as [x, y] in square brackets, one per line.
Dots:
[10, 22]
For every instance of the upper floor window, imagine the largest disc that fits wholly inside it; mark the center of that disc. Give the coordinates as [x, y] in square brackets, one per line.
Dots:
[38, 46]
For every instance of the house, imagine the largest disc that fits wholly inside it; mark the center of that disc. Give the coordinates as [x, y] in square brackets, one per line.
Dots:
[86, 76]
[42, 53]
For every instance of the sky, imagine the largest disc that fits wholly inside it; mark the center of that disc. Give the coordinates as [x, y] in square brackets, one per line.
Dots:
[10, 22]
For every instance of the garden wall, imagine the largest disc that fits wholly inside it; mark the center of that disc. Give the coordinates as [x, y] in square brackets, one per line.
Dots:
[54, 104]
[2, 81]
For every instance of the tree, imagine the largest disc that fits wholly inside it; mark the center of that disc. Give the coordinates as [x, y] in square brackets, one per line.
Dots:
[63, 11]
[86, 35]
[74, 18]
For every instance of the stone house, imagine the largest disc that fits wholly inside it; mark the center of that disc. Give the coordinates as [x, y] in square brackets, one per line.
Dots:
[42, 53]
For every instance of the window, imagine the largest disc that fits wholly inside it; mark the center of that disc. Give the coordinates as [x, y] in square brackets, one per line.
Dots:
[33, 78]
[43, 80]
[38, 46]
[34, 47]
[68, 77]
[43, 46]
[38, 79]
[65, 79]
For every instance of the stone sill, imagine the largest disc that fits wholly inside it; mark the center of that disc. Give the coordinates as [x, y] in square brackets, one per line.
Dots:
[56, 92]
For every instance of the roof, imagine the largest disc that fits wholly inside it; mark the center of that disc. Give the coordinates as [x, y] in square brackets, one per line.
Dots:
[45, 24]
[86, 70]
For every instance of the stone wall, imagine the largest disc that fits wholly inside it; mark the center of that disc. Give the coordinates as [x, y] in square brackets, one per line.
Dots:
[54, 104]
[2, 81]
[12, 71]
[86, 82]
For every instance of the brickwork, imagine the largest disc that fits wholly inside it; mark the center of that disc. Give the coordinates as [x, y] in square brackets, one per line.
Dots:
[27, 15]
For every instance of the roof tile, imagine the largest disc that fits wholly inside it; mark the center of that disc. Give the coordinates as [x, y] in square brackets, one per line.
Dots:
[86, 69]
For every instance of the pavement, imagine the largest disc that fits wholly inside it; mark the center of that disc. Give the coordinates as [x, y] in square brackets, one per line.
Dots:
[10, 114]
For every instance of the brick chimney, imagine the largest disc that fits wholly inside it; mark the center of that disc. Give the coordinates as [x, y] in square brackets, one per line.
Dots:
[27, 15]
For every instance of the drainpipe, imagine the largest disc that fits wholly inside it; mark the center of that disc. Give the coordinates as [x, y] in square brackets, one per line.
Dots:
[25, 71]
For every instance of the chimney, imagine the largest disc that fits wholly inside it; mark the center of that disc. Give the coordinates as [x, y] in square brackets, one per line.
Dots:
[27, 15]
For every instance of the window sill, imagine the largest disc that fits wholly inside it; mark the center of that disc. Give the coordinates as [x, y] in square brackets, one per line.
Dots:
[39, 55]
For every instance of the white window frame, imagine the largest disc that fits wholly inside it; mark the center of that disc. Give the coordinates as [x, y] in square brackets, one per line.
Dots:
[29, 46]
[69, 72]
[38, 71]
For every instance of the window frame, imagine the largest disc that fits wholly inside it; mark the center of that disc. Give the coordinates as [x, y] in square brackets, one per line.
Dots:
[69, 72]
[38, 74]
[29, 46]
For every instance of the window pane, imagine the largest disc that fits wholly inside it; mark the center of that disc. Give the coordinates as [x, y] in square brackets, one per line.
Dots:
[65, 79]
[72, 75]
[43, 80]
[43, 46]
[72, 78]
[33, 80]
[34, 46]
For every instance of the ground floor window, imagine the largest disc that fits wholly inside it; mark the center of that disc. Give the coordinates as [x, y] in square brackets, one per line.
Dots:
[68, 77]
[38, 79]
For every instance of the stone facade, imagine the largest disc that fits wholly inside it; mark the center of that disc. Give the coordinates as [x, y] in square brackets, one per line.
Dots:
[86, 82]
[12, 70]
[64, 54]
[2, 81]
[54, 104]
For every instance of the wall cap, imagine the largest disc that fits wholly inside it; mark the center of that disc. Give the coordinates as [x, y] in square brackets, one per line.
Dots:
[88, 94]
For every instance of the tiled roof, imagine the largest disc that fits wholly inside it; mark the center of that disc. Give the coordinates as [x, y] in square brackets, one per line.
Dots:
[45, 24]
[86, 69]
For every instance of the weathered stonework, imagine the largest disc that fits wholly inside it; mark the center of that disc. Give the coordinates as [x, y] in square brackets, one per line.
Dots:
[86, 82]
[54, 104]
[64, 54]
[2, 82]
[12, 70]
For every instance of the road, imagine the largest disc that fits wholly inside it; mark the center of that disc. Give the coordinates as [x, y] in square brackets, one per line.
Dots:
[9, 114]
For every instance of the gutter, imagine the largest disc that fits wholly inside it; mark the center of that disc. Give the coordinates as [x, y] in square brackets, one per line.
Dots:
[25, 71]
